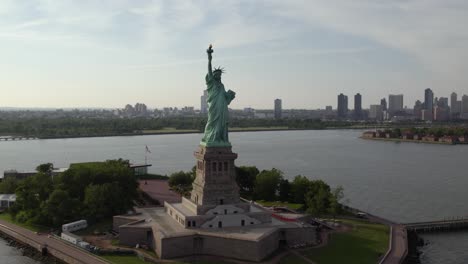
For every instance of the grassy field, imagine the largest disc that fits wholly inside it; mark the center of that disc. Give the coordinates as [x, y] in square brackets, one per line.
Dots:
[123, 259]
[7, 217]
[364, 244]
[292, 206]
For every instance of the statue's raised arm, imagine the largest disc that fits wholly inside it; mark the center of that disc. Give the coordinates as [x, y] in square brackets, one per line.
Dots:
[210, 51]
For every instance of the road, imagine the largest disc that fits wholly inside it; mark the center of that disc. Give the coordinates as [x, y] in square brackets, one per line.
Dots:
[78, 255]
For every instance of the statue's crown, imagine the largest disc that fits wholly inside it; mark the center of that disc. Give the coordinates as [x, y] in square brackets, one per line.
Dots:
[219, 69]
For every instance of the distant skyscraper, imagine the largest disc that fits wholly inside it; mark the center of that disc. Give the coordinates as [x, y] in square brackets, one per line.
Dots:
[358, 106]
[443, 102]
[383, 103]
[204, 102]
[454, 110]
[395, 103]
[342, 106]
[278, 108]
[464, 104]
[428, 99]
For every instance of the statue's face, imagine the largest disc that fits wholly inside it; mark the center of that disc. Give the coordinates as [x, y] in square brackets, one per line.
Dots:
[217, 75]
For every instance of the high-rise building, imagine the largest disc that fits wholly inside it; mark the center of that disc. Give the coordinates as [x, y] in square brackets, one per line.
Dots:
[278, 108]
[453, 104]
[395, 103]
[204, 102]
[443, 102]
[464, 104]
[383, 103]
[376, 112]
[358, 106]
[342, 106]
[417, 110]
[428, 99]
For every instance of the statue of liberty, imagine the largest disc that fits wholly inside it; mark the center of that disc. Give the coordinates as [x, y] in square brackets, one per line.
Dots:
[216, 130]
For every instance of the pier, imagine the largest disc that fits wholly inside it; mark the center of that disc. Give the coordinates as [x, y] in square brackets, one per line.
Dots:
[438, 226]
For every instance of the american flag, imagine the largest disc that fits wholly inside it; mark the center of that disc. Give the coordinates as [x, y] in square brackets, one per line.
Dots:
[147, 149]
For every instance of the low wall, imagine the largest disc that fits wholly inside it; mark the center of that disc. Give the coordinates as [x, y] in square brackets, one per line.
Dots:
[250, 250]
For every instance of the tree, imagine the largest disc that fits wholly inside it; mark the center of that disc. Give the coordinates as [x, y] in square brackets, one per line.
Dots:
[299, 186]
[8, 185]
[87, 190]
[181, 179]
[284, 190]
[245, 178]
[318, 198]
[267, 184]
[335, 207]
[60, 208]
[45, 168]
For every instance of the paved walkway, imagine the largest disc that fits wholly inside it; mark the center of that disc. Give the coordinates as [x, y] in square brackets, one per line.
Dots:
[399, 243]
[80, 256]
[399, 246]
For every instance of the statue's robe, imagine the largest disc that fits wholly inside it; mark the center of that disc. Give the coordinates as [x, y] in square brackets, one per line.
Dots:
[216, 130]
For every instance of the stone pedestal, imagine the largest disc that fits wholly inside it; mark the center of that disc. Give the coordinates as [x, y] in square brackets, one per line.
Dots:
[215, 182]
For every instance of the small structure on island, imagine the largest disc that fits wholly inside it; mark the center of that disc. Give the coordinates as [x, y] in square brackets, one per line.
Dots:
[214, 220]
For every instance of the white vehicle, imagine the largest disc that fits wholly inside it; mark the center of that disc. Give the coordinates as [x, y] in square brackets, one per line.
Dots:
[71, 238]
[74, 226]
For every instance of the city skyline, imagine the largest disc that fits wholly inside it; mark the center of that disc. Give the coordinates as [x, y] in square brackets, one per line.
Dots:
[101, 55]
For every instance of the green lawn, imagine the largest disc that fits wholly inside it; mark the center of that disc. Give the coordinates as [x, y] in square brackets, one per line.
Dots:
[7, 217]
[293, 206]
[293, 259]
[364, 244]
[123, 259]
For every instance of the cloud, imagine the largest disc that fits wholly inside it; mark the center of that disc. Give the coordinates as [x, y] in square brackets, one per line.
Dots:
[430, 30]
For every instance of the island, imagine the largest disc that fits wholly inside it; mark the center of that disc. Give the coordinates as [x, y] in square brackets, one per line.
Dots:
[438, 135]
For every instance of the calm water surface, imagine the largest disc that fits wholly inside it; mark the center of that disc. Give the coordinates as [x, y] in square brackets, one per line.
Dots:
[404, 182]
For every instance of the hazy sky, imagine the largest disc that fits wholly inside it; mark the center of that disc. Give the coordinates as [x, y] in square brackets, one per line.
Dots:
[60, 53]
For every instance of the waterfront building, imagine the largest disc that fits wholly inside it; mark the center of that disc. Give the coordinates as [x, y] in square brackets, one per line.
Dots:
[395, 104]
[204, 102]
[278, 109]
[376, 113]
[358, 106]
[342, 106]
[7, 200]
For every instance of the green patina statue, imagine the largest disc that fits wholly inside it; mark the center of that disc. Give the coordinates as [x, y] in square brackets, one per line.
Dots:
[216, 130]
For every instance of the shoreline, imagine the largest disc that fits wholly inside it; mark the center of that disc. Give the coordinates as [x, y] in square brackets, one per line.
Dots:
[27, 250]
[412, 141]
[188, 131]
